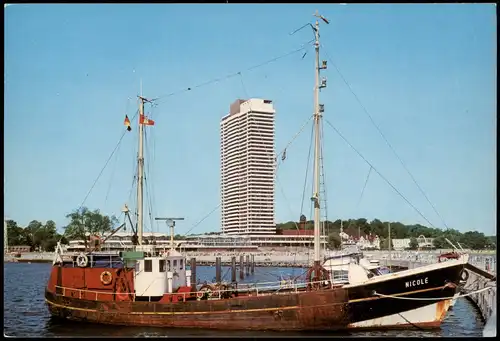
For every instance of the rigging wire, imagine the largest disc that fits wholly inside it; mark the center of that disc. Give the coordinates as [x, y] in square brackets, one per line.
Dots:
[385, 139]
[215, 80]
[323, 175]
[307, 169]
[116, 160]
[102, 170]
[380, 174]
[112, 176]
[205, 217]
[291, 141]
[146, 176]
[152, 174]
[364, 186]
[351, 222]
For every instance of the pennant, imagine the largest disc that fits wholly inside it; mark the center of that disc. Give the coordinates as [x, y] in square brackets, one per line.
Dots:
[146, 121]
[127, 123]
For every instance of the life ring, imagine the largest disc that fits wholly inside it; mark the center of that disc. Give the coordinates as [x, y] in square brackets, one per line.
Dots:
[106, 277]
[464, 275]
[82, 260]
[206, 291]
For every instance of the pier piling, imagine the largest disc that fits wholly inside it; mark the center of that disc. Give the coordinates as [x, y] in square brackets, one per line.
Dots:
[242, 267]
[218, 269]
[233, 269]
[252, 269]
[193, 274]
[247, 265]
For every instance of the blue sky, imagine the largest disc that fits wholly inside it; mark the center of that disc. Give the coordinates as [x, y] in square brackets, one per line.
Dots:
[425, 73]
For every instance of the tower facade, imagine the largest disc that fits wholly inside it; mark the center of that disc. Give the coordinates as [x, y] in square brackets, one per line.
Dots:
[247, 152]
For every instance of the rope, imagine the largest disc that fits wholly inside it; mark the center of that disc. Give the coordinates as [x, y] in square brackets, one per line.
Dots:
[102, 170]
[307, 169]
[364, 187]
[380, 174]
[293, 139]
[215, 80]
[205, 217]
[434, 298]
[385, 139]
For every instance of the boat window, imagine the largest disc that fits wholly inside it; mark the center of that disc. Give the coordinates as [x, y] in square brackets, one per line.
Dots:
[162, 265]
[180, 264]
[168, 265]
[340, 275]
[148, 265]
[175, 263]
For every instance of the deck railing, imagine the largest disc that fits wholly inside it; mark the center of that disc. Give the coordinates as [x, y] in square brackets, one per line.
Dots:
[261, 289]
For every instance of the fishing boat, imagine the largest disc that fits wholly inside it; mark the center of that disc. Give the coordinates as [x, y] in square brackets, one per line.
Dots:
[145, 287]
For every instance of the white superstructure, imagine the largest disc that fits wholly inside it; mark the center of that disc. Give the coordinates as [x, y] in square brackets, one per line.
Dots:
[247, 168]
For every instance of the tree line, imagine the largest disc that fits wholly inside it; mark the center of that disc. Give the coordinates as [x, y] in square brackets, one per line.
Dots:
[362, 227]
[44, 237]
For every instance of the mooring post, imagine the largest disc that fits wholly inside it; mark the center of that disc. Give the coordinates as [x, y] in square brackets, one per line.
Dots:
[193, 274]
[233, 269]
[253, 264]
[217, 269]
[247, 265]
[242, 267]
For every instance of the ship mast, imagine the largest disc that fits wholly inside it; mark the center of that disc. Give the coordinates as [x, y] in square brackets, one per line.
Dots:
[140, 172]
[318, 111]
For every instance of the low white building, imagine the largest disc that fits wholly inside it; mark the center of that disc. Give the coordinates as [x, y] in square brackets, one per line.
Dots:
[404, 243]
[401, 244]
[368, 242]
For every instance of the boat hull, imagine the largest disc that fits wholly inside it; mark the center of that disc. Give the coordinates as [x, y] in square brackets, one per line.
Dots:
[404, 299]
[408, 299]
[322, 310]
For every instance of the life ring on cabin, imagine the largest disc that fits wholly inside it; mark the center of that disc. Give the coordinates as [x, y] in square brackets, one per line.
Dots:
[82, 260]
[206, 291]
[106, 277]
[464, 275]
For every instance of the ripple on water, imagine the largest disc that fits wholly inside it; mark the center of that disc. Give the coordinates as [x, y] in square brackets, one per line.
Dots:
[26, 313]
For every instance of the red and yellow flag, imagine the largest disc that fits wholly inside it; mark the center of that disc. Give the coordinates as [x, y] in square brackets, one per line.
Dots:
[127, 123]
[146, 121]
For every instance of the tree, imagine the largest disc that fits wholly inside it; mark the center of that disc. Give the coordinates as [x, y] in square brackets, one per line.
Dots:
[440, 242]
[384, 244]
[474, 240]
[333, 240]
[84, 221]
[15, 233]
[36, 235]
[413, 243]
[379, 228]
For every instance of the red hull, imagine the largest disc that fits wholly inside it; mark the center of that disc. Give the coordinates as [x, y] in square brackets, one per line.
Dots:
[78, 294]
[299, 311]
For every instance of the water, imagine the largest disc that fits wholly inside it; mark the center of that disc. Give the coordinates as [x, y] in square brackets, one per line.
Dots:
[26, 314]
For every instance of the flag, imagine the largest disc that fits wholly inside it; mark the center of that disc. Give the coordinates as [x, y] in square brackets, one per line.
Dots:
[146, 121]
[127, 123]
